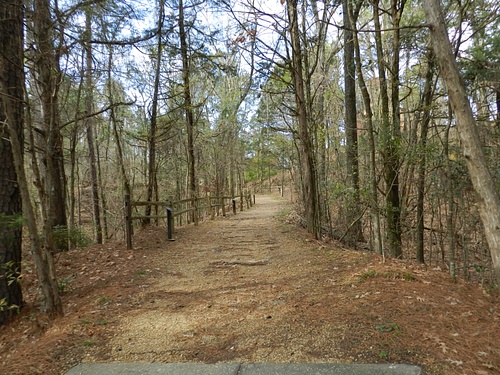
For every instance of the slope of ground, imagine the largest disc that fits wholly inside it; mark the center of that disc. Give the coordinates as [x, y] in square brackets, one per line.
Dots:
[253, 288]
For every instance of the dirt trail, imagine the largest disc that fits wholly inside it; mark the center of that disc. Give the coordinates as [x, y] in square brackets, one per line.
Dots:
[231, 290]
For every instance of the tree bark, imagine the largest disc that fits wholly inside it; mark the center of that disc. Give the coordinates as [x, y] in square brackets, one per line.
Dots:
[89, 119]
[73, 143]
[311, 203]
[351, 124]
[114, 124]
[427, 97]
[488, 199]
[321, 129]
[374, 207]
[154, 117]
[11, 99]
[42, 256]
[389, 141]
[392, 175]
[48, 78]
[188, 103]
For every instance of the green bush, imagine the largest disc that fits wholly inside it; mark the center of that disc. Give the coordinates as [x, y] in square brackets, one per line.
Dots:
[74, 236]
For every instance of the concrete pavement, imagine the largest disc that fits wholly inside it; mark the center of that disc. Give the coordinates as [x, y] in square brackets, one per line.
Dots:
[241, 369]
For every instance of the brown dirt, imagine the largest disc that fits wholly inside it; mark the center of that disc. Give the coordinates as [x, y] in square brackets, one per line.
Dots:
[253, 288]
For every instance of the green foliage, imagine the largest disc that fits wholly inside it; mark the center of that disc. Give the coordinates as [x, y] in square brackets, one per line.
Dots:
[64, 284]
[389, 327]
[76, 236]
[32, 316]
[341, 190]
[88, 343]
[86, 322]
[283, 213]
[104, 300]
[367, 275]
[4, 306]
[383, 354]
[400, 275]
[485, 59]
[11, 221]
[12, 272]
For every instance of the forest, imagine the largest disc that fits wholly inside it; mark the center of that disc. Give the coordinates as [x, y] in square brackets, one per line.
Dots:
[380, 119]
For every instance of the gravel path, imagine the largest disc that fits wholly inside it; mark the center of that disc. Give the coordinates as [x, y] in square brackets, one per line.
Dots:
[231, 291]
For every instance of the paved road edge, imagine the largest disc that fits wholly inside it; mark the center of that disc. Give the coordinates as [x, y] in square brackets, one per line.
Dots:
[242, 369]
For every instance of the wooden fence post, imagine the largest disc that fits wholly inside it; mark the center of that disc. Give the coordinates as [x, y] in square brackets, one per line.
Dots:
[223, 206]
[170, 224]
[195, 201]
[254, 199]
[212, 208]
[128, 221]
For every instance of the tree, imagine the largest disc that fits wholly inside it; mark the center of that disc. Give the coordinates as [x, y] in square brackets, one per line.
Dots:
[152, 178]
[426, 101]
[367, 103]
[11, 95]
[90, 125]
[351, 122]
[47, 76]
[309, 181]
[188, 102]
[11, 101]
[488, 200]
[390, 129]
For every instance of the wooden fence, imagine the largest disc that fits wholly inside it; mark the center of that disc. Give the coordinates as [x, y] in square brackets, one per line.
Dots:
[184, 211]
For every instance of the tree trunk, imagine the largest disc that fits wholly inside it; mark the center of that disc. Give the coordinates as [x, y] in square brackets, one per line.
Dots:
[48, 78]
[309, 184]
[89, 120]
[322, 65]
[488, 200]
[497, 102]
[351, 125]
[154, 117]
[374, 208]
[389, 141]
[426, 102]
[42, 255]
[114, 125]
[188, 104]
[11, 99]
[449, 194]
[392, 176]
[102, 189]
[74, 187]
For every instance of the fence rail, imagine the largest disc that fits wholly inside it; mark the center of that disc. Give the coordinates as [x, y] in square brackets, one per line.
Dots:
[191, 210]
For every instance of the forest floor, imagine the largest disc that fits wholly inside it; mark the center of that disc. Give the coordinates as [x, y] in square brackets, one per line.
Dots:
[252, 288]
